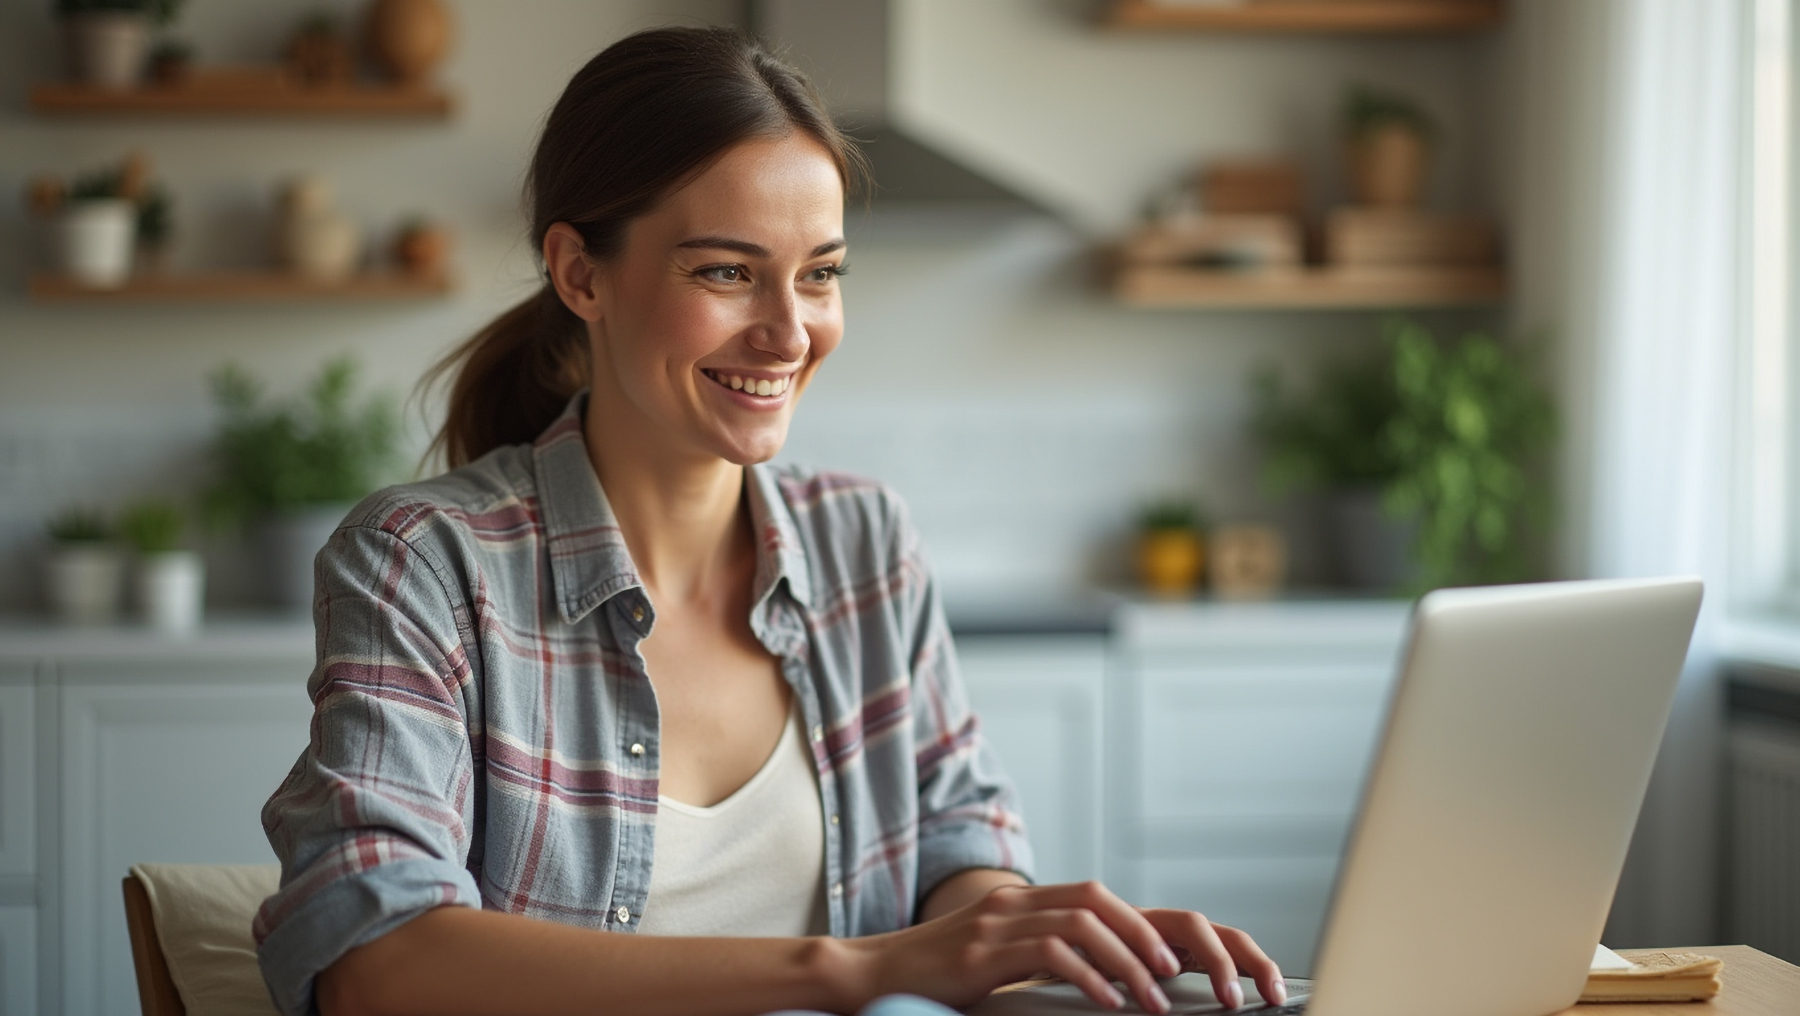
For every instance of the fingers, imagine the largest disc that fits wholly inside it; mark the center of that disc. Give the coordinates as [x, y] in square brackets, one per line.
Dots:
[1052, 954]
[1221, 951]
[1084, 930]
[1125, 920]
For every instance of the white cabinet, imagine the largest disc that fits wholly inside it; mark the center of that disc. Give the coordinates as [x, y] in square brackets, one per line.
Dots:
[1240, 738]
[1040, 701]
[18, 774]
[168, 763]
[18, 960]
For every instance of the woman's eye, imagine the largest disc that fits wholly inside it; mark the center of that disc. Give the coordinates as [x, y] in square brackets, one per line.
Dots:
[828, 272]
[723, 273]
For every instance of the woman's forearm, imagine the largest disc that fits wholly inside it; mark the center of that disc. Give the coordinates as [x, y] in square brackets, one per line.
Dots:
[964, 888]
[456, 960]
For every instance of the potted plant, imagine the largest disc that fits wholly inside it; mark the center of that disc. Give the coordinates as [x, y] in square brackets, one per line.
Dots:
[1170, 549]
[171, 581]
[295, 467]
[101, 218]
[84, 569]
[108, 40]
[1388, 137]
[1423, 455]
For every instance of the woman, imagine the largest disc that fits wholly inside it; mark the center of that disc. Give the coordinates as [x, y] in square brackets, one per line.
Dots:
[614, 717]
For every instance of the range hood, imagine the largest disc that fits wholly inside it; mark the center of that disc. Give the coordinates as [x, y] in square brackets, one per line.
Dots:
[847, 48]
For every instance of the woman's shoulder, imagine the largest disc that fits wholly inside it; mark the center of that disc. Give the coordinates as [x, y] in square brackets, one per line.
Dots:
[495, 494]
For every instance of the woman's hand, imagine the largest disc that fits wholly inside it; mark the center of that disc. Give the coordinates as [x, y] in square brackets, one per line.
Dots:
[1081, 933]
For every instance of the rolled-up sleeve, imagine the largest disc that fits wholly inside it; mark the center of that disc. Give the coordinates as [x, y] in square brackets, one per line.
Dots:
[968, 810]
[372, 825]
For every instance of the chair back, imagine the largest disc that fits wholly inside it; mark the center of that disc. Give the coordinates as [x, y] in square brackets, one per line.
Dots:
[156, 989]
[191, 942]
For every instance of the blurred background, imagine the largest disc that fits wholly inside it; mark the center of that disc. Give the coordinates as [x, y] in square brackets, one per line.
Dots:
[1199, 335]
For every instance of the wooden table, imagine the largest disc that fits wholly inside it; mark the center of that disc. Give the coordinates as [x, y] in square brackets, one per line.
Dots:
[1755, 984]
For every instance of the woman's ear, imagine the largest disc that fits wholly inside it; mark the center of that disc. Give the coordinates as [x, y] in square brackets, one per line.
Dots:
[575, 276]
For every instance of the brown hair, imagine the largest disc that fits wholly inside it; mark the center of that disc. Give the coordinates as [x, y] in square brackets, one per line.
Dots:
[640, 119]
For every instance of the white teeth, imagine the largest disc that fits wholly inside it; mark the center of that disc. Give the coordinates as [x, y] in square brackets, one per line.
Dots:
[754, 386]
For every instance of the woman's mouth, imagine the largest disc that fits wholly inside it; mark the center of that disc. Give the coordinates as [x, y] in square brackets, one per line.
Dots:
[761, 387]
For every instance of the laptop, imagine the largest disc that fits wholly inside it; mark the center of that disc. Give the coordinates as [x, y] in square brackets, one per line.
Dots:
[1492, 828]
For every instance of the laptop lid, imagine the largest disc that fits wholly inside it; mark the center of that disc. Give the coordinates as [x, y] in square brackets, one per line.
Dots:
[1496, 816]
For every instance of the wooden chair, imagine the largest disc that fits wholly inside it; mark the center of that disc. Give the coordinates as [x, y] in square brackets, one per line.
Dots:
[156, 989]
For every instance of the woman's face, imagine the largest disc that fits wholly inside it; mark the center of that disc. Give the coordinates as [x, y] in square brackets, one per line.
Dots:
[723, 302]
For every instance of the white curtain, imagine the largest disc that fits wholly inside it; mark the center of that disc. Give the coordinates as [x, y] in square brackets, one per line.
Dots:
[1628, 205]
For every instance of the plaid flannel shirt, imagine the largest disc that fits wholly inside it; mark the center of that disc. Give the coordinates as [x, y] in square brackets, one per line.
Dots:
[484, 733]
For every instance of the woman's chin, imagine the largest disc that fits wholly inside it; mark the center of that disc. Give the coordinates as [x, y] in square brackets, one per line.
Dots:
[750, 449]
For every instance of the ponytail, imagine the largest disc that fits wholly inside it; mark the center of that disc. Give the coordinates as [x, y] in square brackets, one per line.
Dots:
[649, 113]
[512, 378]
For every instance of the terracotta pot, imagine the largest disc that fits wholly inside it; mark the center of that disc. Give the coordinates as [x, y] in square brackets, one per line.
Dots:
[1169, 561]
[1388, 166]
[107, 49]
[423, 250]
[409, 37]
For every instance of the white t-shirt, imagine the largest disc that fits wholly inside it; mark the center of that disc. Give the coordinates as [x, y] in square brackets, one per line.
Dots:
[752, 865]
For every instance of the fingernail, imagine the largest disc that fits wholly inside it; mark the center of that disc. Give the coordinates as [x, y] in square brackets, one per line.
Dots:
[1114, 1000]
[1234, 995]
[1280, 987]
[1168, 961]
[1158, 1001]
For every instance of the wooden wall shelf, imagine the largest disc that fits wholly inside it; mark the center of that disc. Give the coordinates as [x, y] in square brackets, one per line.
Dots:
[246, 91]
[1159, 287]
[1373, 16]
[244, 287]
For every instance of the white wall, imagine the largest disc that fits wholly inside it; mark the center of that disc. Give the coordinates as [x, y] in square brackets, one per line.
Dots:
[1023, 415]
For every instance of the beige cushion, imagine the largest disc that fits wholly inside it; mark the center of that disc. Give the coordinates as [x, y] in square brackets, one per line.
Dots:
[203, 914]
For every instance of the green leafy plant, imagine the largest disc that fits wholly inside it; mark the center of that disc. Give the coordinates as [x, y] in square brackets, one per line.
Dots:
[1449, 432]
[1471, 425]
[1368, 109]
[153, 526]
[320, 448]
[1171, 514]
[79, 524]
[160, 12]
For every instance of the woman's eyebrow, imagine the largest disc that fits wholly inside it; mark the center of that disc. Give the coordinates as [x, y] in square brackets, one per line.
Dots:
[754, 250]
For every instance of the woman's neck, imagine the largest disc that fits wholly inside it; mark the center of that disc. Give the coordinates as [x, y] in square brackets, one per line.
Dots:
[683, 516]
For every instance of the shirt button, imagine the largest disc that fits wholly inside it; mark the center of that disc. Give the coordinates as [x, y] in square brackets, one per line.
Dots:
[834, 818]
[637, 613]
[624, 915]
[637, 750]
[837, 889]
[818, 733]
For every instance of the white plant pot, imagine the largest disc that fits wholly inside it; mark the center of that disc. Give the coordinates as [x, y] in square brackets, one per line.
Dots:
[171, 589]
[291, 540]
[85, 582]
[107, 49]
[97, 237]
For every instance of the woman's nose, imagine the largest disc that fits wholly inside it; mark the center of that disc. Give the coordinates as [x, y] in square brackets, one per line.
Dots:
[781, 326]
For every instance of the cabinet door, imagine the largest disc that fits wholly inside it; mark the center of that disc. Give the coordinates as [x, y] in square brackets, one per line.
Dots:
[18, 797]
[1244, 736]
[18, 961]
[1039, 697]
[170, 766]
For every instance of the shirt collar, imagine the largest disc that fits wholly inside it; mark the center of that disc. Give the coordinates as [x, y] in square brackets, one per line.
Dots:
[589, 562]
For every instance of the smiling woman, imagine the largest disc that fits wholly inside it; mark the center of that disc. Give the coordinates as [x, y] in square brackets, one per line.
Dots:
[614, 714]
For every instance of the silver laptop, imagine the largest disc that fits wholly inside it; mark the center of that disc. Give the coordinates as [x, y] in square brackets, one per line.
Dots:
[1494, 822]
